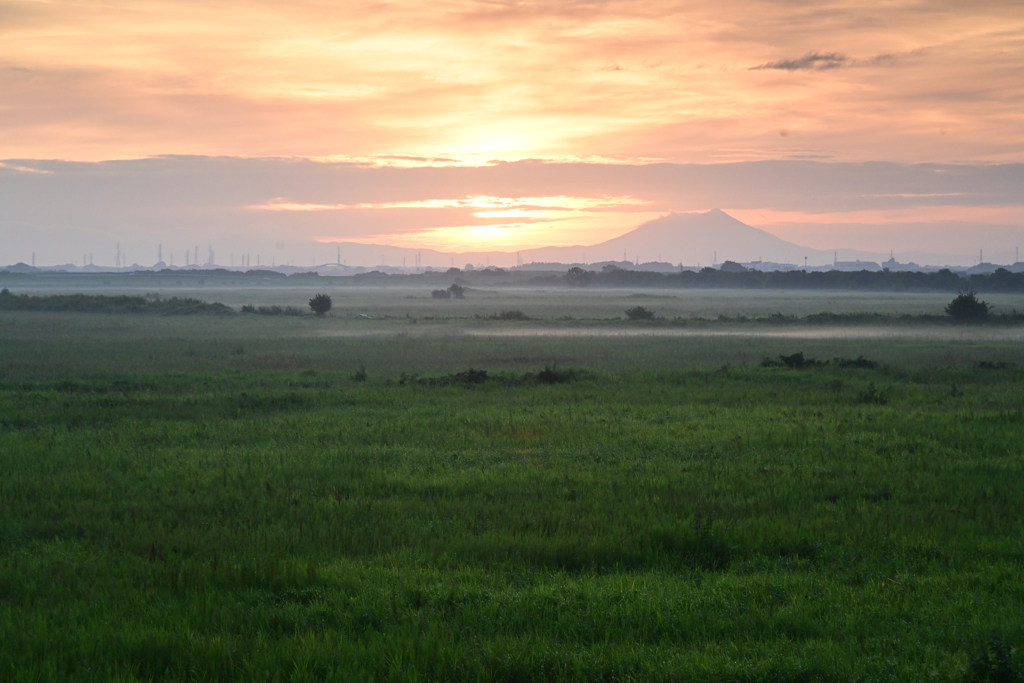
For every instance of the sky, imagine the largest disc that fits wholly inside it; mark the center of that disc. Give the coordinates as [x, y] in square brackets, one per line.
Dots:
[897, 124]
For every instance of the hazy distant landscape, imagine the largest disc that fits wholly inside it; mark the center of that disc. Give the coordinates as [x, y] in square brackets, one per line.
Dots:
[668, 244]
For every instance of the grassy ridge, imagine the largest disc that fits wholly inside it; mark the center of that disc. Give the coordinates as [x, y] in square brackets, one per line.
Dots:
[102, 303]
[758, 524]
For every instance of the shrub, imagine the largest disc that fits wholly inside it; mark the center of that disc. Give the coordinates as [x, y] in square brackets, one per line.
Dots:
[510, 315]
[441, 294]
[248, 308]
[872, 396]
[639, 313]
[967, 308]
[320, 304]
[552, 375]
[797, 361]
[360, 374]
[859, 362]
[994, 365]
[458, 291]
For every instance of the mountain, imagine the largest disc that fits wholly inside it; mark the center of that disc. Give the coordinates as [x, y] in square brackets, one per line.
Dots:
[688, 238]
[691, 239]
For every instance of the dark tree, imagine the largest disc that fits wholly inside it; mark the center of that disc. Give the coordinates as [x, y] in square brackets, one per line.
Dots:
[320, 304]
[458, 291]
[441, 294]
[577, 277]
[967, 308]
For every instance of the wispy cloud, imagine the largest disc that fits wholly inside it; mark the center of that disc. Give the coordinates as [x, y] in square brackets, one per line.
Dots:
[22, 169]
[811, 60]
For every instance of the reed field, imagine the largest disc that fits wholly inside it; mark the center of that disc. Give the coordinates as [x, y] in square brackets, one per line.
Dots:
[421, 496]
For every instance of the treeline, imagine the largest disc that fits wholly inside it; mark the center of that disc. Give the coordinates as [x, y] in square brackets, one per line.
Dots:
[1001, 280]
[99, 303]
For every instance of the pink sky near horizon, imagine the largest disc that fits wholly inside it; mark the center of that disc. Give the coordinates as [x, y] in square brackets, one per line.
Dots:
[470, 82]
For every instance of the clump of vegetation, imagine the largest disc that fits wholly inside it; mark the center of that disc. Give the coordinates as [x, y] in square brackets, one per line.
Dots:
[967, 308]
[273, 310]
[456, 291]
[551, 374]
[994, 664]
[468, 378]
[639, 313]
[320, 304]
[860, 362]
[872, 396]
[798, 361]
[360, 374]
[510, 315]
[994, 365]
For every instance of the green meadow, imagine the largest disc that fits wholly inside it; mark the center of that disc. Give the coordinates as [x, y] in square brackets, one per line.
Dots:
[418, 495]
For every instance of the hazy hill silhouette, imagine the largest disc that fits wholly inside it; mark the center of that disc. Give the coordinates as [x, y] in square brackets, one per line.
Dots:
[688, 238]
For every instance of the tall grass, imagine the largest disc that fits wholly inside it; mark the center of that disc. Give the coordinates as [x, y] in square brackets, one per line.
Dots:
[758, 524]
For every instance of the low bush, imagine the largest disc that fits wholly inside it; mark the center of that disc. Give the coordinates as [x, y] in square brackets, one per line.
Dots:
[551, 374]
[797, 361]
[860, 362]
[993, 365]
[278, 310]
[639, 313]
[510, 315]
[872, 396]
[967, 308]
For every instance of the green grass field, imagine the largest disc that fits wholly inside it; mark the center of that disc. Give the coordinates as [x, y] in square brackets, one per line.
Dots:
[265, 499]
